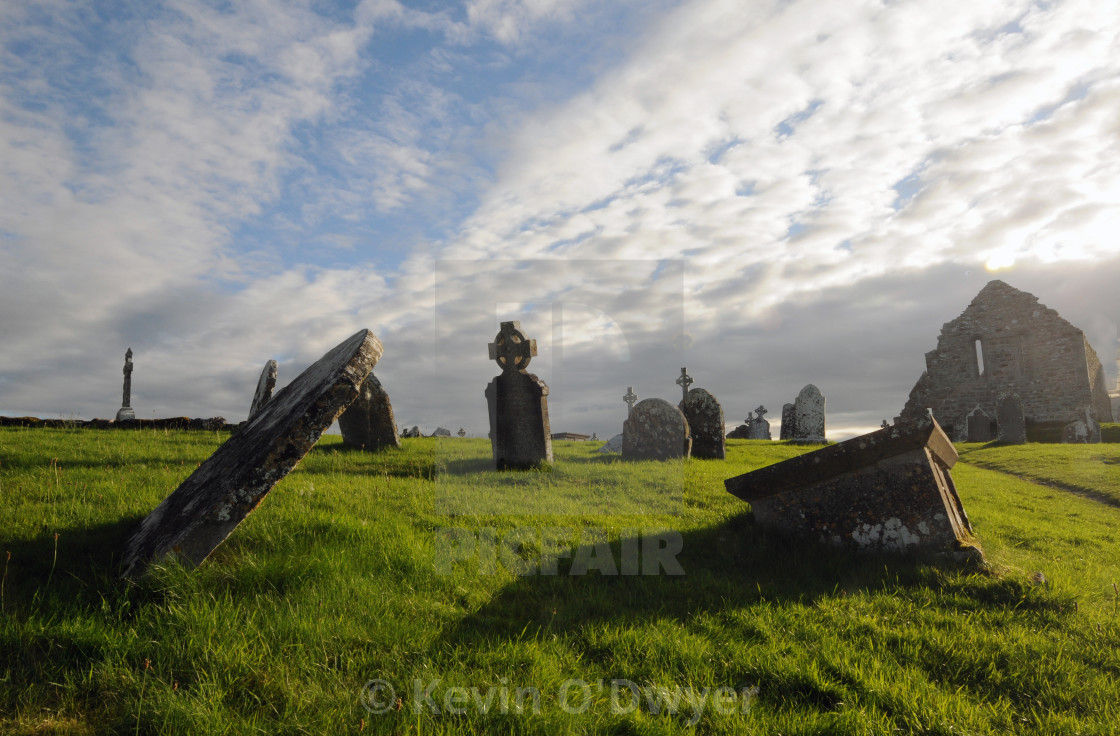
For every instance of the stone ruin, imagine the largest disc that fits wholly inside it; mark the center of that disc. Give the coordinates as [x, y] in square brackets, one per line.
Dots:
[518, 404]
[1006, 342]
[890, 490]
[126, 412]
[655, 430]
[368, 422]
[266, 384]
[198, 516]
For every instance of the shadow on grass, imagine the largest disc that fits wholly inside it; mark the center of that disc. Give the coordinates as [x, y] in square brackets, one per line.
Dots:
[73, 563]
[727, 566]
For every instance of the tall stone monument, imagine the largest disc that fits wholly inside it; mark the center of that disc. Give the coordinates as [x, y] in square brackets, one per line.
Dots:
[684, 381]
[808, 416]
[518, 404]
[368, 423]
[656, 430]
[705, 424]
[125, 413]
[630, 398]
[265, 385]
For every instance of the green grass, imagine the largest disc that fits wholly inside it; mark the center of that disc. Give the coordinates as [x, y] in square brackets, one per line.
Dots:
[349, 572]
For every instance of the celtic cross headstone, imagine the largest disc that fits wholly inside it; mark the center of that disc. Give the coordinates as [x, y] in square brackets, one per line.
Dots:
[630, 398]
[684, 381]
[126, 413]
[518, 403]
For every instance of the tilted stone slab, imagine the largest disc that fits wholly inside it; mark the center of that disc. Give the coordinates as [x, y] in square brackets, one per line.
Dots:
[655, 430]
[266, 384]
[201, 513]
[889, 490]
[368, 422]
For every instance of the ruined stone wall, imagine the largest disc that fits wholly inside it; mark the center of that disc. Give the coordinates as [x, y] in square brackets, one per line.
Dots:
[1025, 348]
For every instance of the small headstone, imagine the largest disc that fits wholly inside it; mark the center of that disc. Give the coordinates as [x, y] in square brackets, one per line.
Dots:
[808, 415]
[594, 436]
[518, 404]
[414, 432]
[614, 444]
[979, 426]
[1010, 421]
[126, 413]
[889, 490]
[759, 428]
[788, 420]
[209, 505]
[462, 432]
[1082, 431]
[265, 385]
[705, 424]
[368, 422]
[656, 430]
[441, 432]
[630, 398]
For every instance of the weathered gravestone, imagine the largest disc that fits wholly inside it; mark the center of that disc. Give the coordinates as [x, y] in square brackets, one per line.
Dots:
[758, 428]
[808, 415]
[614, 444]
[462, 432]
[1082, 431]
[441, 432]
[518, 404]
[656, 430]
[1010, 421]
[368, 422]
[414, 432]
[201, 513]
[788, 421]
[889, 490]
[265, 385]
[979, 426]
[705, 424]
[126, 413]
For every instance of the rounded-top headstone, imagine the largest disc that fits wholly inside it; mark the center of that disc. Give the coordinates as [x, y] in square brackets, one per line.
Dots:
[655, 430]
[202, 512]
[705, 423]
[1010, 420]
[808, 415]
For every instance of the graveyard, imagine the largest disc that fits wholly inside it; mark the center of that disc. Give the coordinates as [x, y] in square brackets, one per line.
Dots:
[420, 589]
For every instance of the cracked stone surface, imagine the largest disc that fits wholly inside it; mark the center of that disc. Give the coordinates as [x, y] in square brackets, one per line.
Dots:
[656, 430]
[199, 515]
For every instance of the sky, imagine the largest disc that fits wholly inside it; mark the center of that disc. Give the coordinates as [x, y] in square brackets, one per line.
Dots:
[771, 193]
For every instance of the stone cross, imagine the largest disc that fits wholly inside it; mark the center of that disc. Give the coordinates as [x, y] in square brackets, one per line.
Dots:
[761, 410]
[630, 398]
[462, 432]
[684, 382]
[750, 418]
[125, 413]
[511, 349]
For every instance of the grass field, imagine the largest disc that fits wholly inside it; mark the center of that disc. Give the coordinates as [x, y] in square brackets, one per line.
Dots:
[403, 567]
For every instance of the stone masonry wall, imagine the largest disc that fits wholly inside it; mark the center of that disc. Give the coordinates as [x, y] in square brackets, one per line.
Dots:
[1026, 347]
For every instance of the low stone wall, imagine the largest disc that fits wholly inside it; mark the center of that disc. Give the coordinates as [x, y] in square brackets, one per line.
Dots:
[210, 425]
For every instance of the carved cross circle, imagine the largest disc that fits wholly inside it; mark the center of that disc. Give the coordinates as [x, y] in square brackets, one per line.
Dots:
[630, 396]
[684, 381]
[511, 349]
[761, 410]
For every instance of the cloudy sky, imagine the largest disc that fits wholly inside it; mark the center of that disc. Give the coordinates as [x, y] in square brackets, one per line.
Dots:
[770, 193]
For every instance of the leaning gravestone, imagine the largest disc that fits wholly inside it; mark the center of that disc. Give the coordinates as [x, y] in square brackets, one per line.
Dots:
[265, 385]
[126, 413]
[759, 428]
[808, 415]
[979, 426]
[888, 491]
[788, 421]
[518, 404]
[705, 424]
[1010, 421]
[368, 422]
[201, 513]
[655, 430]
